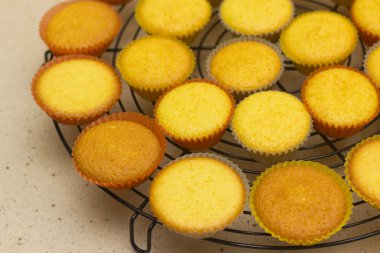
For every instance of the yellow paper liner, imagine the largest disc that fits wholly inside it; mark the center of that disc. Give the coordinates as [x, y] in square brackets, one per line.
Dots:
[342, 184]
[240, 94]
[365, 62]
[328, 128]
[133, 117]
[368, 37]
[193, 232]
[153, 93]
[185, 37]
[305, 67]
[198, 143]
[116, 1]
[272, 36]
[356, 189]
[77, 119]
[270, 158]
[96, 49]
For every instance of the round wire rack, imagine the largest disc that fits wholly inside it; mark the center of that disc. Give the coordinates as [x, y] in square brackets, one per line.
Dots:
[365, 221]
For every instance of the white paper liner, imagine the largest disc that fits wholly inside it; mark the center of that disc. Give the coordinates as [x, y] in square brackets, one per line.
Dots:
[239, 94]
[369, 52]
[272, 158]
[233, 166]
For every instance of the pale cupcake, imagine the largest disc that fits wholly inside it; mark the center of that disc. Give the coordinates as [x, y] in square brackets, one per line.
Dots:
[119, 151]
[372, 64]
[301, 203]
[341, 100]
[366, 14]
[153, 64]
[262, 18]
[198, 195]
[317, 39]
[76, 89]
[195, 114]
[245, 65]
[80, 27]
[271, 124]
[363, 170]
[180, 19]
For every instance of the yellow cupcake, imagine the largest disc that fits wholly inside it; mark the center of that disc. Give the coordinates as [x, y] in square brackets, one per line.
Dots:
[363, 170]
[80, 27]
[264, 18]
[245, 65]
[341, 100]
[180, 19]
[317, 39]
[198, 195]
[195, 114]
[153, 64]
[119, 151]
[300, 202]
[271, 123]
[366, 14]
[76, 90]
[372, 64]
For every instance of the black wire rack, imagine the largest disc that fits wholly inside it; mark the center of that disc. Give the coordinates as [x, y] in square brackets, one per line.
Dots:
[319, 148]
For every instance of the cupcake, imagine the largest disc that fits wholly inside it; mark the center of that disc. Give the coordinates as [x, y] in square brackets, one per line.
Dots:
[153, 64]
[363, 170]
[271, 124]
[262, 18]
[318, 39]
[341, 100]
[245, 65]
[180, 19]
[195, 114]
[79, 27]
[366, 14]
[198, 195]
[346, 3]
[120, 150]
[301, 203]
[372, 64]
[76, 89]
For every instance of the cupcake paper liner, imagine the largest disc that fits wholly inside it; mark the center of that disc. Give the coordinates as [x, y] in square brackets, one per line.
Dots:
[327, 128]
[153, 93]
[78, 119]
[194, 233]
[325, 169]
[240, 94]
[126, 116]
[367, 199]
[96, 49]
[188, 38]
[198, 143]
[369, 52]
[271, 36]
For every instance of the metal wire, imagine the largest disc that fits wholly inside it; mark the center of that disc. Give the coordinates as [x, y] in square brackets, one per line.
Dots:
[335, 151]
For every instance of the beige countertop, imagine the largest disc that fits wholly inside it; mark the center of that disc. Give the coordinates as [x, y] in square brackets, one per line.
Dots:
[44, 205]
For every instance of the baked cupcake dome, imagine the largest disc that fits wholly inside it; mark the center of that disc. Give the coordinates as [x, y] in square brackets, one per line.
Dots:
[366, 14]
[363, 170]
[76, 89]
[301, 203]
[341, 100]
[195, 114]
[317, 39]
[153, 64]
[79, 27]
[372, 64]
[105, 153]
[198, 194]
[245, 65]
[271, 123]
[179, 19]
[263, 18]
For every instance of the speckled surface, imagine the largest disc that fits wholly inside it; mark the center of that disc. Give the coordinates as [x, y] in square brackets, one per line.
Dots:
[44, 205]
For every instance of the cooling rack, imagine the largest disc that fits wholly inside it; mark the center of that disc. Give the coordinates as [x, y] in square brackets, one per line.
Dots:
[245, 233]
